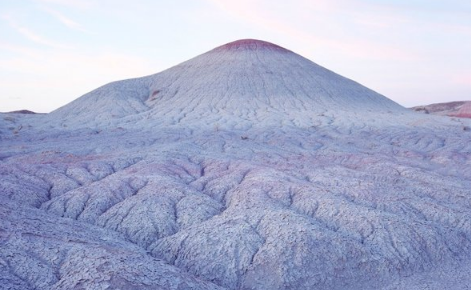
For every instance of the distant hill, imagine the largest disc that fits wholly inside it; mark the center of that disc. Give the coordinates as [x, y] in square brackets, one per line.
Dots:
[22, 112]
[452, 109]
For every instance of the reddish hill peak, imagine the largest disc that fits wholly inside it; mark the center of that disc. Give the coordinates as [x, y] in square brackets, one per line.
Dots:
[250, 44]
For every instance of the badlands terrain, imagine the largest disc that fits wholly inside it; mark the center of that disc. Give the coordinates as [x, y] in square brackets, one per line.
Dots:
[246, 167]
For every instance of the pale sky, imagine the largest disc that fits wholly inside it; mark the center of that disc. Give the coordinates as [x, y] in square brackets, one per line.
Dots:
[53, 51]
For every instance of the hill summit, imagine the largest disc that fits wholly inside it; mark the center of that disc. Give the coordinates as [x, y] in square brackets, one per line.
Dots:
[242, 82]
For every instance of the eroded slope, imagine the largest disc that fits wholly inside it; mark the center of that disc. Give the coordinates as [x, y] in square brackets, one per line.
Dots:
[261, 209]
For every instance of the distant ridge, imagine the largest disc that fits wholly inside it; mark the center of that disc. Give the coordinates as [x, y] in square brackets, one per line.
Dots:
[21, 112]
[461, 109]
